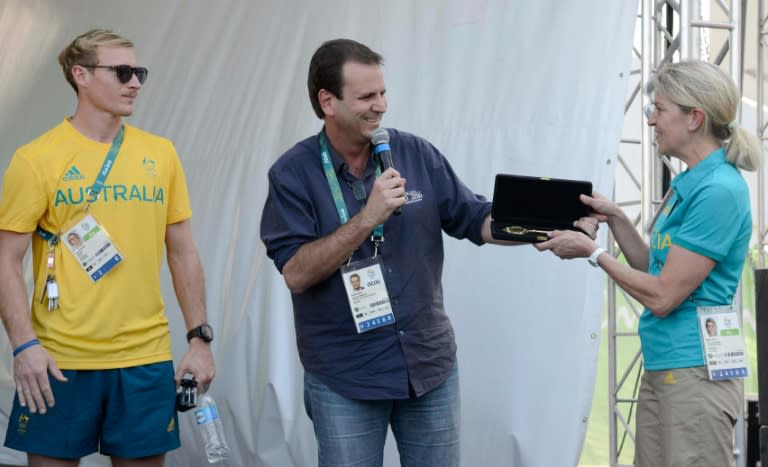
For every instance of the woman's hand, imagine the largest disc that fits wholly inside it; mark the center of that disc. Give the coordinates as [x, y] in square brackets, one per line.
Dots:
[602, 207]
[568, 244]
[588, 225]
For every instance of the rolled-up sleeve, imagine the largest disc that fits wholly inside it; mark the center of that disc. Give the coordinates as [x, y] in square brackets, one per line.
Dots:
[288, 220]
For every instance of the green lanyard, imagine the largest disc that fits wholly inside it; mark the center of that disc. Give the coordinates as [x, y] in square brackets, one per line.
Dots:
[338, 199]
[106, 167]
[98, 184]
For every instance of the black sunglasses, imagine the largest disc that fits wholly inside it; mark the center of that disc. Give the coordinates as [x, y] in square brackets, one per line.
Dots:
[125, 72]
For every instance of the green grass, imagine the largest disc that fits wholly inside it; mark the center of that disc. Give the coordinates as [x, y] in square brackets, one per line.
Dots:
[596, 450]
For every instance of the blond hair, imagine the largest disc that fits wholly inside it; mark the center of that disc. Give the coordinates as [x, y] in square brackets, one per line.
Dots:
[82, 50]
[697, 84]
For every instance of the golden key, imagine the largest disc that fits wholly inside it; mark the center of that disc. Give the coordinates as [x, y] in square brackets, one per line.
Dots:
[517, 230]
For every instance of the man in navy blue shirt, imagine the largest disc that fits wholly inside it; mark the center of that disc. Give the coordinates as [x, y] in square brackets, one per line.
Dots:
[384, 356]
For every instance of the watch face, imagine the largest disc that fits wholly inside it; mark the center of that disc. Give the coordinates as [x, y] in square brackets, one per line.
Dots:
[206, 332]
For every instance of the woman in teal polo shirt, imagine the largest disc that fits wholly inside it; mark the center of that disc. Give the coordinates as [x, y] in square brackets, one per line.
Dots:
[696, 254]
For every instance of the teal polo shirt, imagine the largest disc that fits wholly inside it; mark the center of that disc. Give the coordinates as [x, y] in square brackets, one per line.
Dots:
[709, 214]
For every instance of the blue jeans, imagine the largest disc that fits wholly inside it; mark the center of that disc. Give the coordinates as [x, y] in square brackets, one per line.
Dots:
[352, 432]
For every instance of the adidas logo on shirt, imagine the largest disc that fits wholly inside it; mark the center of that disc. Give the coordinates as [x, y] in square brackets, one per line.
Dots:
[73, 174]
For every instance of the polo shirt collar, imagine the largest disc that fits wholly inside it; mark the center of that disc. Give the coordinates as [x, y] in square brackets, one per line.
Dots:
[339, 165]
[686, 181]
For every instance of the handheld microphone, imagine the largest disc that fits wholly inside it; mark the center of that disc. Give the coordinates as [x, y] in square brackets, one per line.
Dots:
[381, 152]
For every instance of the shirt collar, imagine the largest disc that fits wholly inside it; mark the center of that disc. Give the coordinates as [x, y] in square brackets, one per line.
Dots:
[339, 165]
[686, 181]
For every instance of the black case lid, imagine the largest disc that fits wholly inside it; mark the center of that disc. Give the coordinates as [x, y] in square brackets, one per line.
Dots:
[538, 201]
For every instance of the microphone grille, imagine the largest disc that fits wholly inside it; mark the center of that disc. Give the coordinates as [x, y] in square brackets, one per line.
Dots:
[379, 136]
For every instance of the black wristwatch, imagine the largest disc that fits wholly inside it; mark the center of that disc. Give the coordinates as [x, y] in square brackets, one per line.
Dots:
[204, 332]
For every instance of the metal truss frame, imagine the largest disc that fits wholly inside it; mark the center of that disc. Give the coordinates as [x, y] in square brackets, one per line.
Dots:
[671, 30]
[762, 49]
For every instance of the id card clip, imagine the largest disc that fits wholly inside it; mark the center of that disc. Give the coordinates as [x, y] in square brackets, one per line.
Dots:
[377, 241]
[51, 288]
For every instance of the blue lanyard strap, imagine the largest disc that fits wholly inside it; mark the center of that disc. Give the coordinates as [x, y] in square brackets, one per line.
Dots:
[333, 184]
[95, 189]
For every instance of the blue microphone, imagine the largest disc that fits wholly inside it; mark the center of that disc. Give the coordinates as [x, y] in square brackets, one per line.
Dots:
[381, 152]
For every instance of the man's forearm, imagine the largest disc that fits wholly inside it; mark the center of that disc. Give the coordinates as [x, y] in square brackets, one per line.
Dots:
[317, 260]
[14, 306]
[189, 285]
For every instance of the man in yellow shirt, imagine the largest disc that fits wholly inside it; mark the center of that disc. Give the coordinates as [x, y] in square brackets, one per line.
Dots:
[92, 364]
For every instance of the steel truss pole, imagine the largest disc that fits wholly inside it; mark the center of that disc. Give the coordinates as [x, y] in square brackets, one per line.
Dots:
[761, 37]
[671, 30]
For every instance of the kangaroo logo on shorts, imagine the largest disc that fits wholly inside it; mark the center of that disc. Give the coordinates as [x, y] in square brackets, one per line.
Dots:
[23, 421]
[171, 425]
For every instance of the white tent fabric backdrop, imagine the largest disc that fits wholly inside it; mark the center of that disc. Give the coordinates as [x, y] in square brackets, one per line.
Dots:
[501, 86]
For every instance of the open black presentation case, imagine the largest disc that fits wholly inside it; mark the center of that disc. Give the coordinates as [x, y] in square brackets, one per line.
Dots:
[526, 208]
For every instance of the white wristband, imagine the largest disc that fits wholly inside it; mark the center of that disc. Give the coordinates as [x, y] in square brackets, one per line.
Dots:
[593, 257]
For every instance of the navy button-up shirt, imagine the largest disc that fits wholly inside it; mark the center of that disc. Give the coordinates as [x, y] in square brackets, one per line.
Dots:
[419, 347]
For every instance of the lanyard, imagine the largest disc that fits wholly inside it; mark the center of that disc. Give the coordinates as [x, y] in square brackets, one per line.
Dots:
[106, 167]
[95, 189]
[333, 183]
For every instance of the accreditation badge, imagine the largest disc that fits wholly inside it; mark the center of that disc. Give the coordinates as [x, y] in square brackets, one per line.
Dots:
[367, 294]
[92, 246]
[723, 342]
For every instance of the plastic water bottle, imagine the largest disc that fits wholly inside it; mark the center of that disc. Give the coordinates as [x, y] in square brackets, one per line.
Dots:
[209, 422]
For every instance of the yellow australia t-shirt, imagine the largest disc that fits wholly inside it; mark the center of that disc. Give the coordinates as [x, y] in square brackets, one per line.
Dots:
[118, 321]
